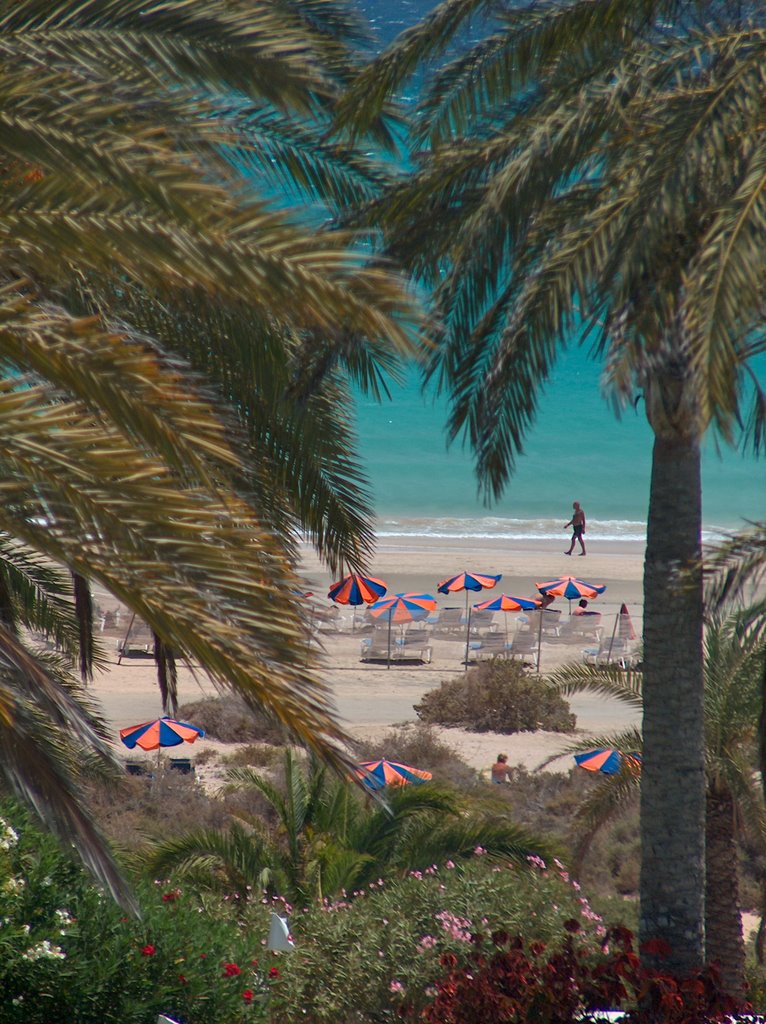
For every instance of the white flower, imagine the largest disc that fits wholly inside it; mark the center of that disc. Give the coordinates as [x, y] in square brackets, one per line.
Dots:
[44, 950]
[14, 884]
[8, 836]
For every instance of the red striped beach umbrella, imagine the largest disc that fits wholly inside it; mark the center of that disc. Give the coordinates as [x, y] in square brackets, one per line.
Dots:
[507, 603]
[356, 589]
[377, 774]
[160, 733]
[608, 761]
[468, 581]
[571, 588]
[402, 608]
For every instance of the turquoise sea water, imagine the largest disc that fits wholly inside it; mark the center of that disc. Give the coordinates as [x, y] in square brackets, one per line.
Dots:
[578, 450]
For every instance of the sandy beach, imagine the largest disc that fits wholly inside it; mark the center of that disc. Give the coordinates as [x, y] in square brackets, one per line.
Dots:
[370, 698]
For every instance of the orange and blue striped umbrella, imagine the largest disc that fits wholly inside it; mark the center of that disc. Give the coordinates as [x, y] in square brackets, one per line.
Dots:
[571, 588]
[468, 581]
[377, 774]
[608, 761]
[162, 732]
[507, 603]
[403, 607]
[356, 589]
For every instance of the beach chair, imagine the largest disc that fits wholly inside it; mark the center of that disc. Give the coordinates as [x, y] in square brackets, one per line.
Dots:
[524, 647]
[482, 622]
[375, 647]
[582, 627]
[611, 651]
[449, 623]
[494, 645]
[139, 640]
[416, 643]
[551, 622]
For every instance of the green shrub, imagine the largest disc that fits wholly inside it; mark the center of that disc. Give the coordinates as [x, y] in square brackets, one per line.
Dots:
[498, 697]
[229, 720]
[358, 961]
[70, 954]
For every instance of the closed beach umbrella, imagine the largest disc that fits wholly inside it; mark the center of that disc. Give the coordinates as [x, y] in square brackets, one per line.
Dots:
[356, 589]
[402, 608]
[468, 581]
[623, 628]
[608, 761]
[377, 774]
[507, 603]
[160, 733]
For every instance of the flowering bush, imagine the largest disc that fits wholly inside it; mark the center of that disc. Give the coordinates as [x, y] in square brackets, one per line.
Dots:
[68, 953]
[517, 982]
[378, 953]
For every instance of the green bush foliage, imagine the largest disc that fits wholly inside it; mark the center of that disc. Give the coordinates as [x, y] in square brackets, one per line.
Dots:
[498, 697]
[362, 959]
[70, 954]
[229, 720]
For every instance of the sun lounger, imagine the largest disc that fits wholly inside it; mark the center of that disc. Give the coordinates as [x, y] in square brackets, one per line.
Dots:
[139, 639]
[494, 645]
[449, 623]
[524, 647]
[482, 622]
[582, 627]
[551, 622]
[611, 651]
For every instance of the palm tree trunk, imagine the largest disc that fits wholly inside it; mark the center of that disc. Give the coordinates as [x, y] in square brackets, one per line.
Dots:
[673, 770]
[724, 940]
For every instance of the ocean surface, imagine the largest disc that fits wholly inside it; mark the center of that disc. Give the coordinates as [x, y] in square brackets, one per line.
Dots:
[577, 451]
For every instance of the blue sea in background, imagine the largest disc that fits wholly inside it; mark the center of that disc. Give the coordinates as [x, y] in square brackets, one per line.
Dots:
[577, 451]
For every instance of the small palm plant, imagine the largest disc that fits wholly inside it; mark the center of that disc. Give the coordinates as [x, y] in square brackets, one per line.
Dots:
[331, 837]
[735, 652]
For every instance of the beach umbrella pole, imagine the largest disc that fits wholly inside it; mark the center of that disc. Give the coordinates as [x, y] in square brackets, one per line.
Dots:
[467, 630]
[125, 641]
[540, 638]
[390, 616]
[611, 641]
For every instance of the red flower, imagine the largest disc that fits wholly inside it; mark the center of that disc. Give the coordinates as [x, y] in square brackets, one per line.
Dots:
[231, 970]
[203, 956]
[656, 947]
[149, 949]
[254, 963]
[171, 896]
[182, 978]
[247, 995]
[273, 972]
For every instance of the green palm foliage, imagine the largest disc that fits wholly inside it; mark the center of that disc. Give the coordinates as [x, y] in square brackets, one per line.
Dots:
[175, 350]
[592, 174]
[329, 838]
[735, 656]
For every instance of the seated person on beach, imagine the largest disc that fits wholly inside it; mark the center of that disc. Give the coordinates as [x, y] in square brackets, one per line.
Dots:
[500, 771]
[581, 608]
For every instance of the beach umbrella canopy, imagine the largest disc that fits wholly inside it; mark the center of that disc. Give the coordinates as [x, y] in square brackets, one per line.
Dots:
[377, 774]
[468, 581]
[403, 607]
[356, 589]
[507, 603]
[161, 732]
[607, 760]
[571, 588]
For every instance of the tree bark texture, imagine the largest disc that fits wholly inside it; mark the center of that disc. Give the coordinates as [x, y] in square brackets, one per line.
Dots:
[724, 939]
[673, 767]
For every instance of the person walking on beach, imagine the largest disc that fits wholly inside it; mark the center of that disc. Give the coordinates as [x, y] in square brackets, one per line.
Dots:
[577, 522]
[500, 771]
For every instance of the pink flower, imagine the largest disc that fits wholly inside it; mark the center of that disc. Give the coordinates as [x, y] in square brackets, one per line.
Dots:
[395, 986]
[427, 942]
